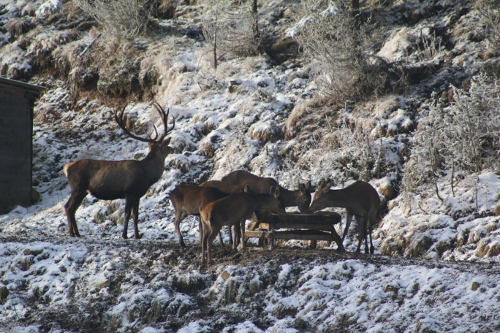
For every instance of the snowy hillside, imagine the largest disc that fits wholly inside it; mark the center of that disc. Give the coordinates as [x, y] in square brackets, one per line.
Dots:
[437, 244]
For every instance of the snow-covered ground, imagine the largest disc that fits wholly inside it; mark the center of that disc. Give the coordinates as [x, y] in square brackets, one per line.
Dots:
[52, 283]
[149, 287]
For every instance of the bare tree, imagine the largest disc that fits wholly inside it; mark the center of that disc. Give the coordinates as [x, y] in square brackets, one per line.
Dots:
[231, 28]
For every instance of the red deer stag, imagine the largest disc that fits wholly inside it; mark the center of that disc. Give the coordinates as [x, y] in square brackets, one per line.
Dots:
[233, 210]
[359, 199]
[189, 200]
[109, 180]
[300, 198]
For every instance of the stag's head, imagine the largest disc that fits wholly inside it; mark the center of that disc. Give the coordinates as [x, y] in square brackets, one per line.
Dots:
[159, 145]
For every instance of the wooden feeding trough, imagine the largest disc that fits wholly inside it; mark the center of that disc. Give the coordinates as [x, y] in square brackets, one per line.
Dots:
[313, 227]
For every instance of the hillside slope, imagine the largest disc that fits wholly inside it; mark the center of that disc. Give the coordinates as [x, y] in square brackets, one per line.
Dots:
[262, 113]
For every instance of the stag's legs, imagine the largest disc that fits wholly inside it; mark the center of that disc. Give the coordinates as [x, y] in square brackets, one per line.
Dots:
[131, 208]
[135, 216]
[70, 207]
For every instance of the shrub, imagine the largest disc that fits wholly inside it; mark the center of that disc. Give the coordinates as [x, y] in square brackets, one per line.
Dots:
[127, 18]
[490, 12]
[340, 43]
[460, 137]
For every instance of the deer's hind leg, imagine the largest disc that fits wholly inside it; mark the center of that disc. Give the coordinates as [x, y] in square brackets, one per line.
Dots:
[347, 225]
[180, 214]
[362, 235]
[370, 230]
[74, 201]
[204, 241]
[135, 216]
[211, 233]
[131, 209]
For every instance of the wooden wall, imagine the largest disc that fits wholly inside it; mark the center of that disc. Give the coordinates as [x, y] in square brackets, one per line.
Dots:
[16, 131]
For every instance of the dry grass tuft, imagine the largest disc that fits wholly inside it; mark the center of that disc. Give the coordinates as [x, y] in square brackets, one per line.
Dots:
[293, 122]
[387, 190]
[81, 78]
[19, 26]
[488, 248]
[45, 51]
[266, 132]
[496, 209]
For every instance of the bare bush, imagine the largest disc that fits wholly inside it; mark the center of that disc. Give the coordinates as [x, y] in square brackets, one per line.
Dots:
[347, 152]
[231, 28]
[461, 137]
[490, 12]
[127, 18]
[340, 44]
[366, 158]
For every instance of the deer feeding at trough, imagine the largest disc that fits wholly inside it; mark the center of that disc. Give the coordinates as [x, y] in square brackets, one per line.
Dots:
[360, 199]
[127, 179]
[233, 210]
[300, 198]
[189, 200]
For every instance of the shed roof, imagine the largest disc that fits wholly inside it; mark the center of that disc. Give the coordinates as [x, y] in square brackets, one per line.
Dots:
[19, 84]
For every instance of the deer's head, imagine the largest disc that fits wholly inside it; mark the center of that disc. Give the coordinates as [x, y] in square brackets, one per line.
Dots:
[159, 145]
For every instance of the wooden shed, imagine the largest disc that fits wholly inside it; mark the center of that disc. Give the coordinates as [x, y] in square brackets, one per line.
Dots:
[17, 101]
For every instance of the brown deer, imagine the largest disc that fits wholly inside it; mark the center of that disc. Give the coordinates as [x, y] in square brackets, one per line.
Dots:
[360, 199]
[109, 180]
[233, 210]
[189, 200]
[232, 189]
[300, 198]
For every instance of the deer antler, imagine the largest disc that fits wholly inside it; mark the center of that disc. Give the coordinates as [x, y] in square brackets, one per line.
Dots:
[119, 117]
[164, 117]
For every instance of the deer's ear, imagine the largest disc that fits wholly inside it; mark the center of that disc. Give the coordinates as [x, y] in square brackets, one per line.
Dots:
[308, 185]
[305, 188]
[276, 192]
[167, 140]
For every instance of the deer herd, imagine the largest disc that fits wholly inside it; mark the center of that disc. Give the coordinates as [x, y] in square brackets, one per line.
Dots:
[226, 202]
